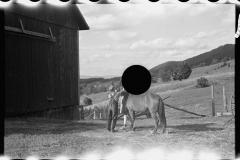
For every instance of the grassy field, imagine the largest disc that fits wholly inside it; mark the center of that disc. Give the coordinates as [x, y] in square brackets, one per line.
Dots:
[50, 138]
[216, 76]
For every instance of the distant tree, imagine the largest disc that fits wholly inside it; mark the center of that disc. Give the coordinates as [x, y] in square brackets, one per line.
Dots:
[215, 61]
[87, 101]
[195, 66]
[224, 64]
[92, 89]
[183, 71]
[154, 78]
[101, 88]
[165, 76]
[225, 59]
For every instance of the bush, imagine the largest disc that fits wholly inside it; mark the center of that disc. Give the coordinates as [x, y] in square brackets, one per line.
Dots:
[202, 82]
[229, 65]
[224, 64]
[87, 101]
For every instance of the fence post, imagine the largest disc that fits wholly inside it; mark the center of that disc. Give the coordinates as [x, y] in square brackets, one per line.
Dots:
[94, 114]
[100, 115]
[224, 100]
[213, 104]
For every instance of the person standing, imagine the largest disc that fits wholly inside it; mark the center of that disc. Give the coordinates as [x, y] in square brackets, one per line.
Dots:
[112, 110]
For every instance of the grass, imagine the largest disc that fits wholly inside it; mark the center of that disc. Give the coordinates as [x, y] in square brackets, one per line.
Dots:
[51, 138]
[223, 75]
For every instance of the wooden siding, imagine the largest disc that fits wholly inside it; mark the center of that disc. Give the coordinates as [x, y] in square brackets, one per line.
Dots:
[46, 13]
[37, 70]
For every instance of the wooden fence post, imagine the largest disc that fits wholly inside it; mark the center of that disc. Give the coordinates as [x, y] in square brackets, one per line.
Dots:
[224, 100]
[213, 104]
[94, 114]
[100, 115]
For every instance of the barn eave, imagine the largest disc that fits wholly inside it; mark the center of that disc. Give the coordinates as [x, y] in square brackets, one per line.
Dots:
[78, 17]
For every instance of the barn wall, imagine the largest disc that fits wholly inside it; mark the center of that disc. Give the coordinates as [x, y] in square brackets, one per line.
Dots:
[37, 69]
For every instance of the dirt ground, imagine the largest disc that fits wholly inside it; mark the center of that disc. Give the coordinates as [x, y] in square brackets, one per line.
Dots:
[51, 138]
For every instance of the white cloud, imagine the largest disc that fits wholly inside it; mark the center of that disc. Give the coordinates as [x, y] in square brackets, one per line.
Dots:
[201, 8]
[122, 35]
[185, 42]
[94, 57]
[116, 46]
[108, 55]
[201, 34]
[213, 33]
[229, 18]
[103, 22]
[154, 44]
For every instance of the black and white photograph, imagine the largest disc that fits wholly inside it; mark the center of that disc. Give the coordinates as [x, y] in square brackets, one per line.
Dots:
[134, 80]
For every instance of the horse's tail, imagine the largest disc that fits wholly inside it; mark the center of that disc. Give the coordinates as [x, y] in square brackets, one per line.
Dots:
[161, 112]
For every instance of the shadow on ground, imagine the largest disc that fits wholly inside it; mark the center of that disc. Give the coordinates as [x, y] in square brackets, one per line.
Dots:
[33, 127]
[190, 117]
[183, 128]
[194, 127]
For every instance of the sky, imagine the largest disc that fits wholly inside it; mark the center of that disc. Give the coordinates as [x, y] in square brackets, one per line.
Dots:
[122, 35]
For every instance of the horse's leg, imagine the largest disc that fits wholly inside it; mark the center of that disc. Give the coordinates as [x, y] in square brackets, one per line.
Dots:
[132, 117]
[162, 117]
[158, 119]
[155, 118]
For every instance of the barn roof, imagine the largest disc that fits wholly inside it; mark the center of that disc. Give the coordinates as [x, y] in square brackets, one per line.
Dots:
[78, 17]
[38, 13]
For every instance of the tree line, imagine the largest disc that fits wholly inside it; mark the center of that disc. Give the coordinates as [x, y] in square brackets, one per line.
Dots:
[183, 70]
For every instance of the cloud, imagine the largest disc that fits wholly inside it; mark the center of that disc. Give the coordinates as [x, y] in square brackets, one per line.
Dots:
[229, 16]
[201, 8]
[154, 44]
[94, 57]
[116, 46]
[185, 42]
[122, 35]
[213, 33]
[127, 16]
[108, 55]
[201, 34]
[103, 22]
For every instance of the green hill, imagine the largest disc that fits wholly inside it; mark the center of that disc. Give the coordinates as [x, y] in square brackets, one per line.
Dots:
[227, 50]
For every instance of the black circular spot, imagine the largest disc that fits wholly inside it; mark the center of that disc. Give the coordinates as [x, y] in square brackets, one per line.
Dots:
[93, 0]
[34, 0]
[153, 0]
[213, 1]
[123, 0]
[183, 1]
[136, 79]
[5, 0]
[64, 0]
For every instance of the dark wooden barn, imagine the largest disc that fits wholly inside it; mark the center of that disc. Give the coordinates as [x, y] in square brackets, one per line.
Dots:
[42, 60]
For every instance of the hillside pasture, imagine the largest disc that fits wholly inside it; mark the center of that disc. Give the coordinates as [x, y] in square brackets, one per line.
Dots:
[215, 76]
[185, 92]
[213, 69]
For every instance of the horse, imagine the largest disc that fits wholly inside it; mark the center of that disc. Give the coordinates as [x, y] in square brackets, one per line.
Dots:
[147, 101]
